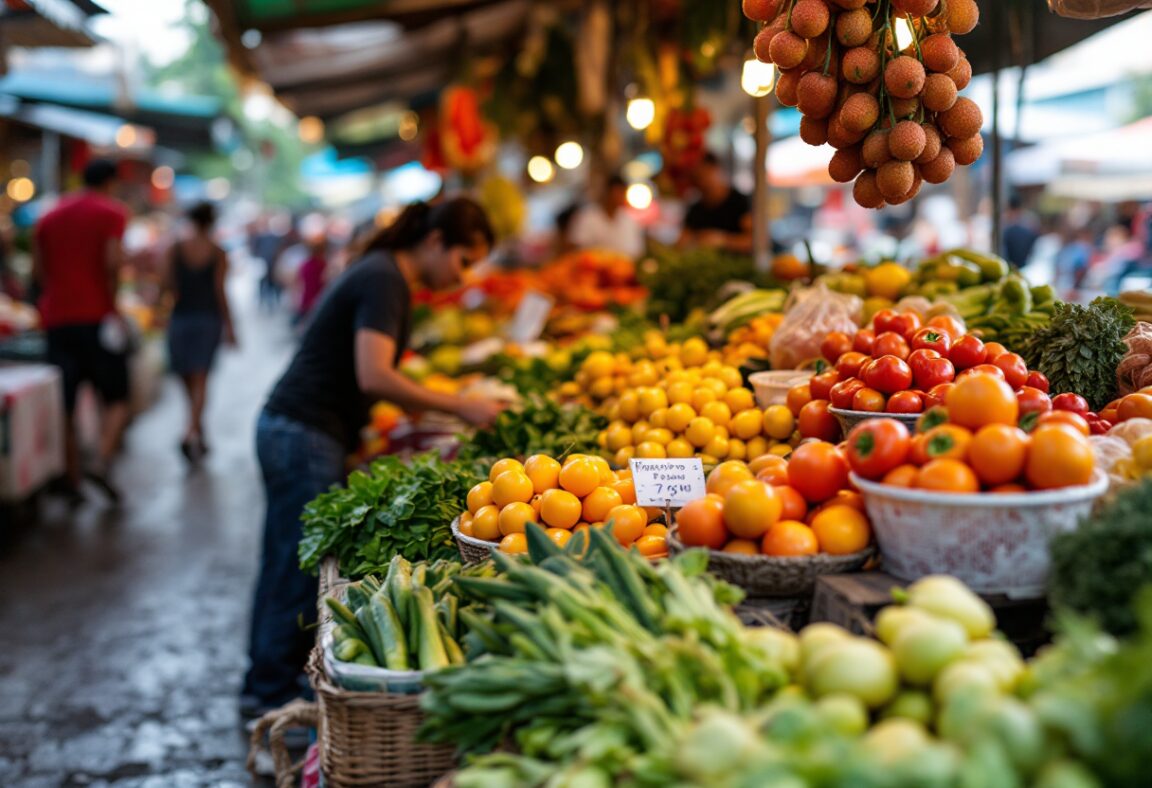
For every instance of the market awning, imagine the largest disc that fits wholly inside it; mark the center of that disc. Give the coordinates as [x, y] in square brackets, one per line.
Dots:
[98, 130]
[48, 23]
[1110, 166]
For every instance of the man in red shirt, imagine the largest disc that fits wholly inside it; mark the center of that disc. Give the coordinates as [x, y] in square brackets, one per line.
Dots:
[78, 256]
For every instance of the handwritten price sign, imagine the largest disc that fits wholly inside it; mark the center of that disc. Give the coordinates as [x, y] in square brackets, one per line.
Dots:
[668, 482]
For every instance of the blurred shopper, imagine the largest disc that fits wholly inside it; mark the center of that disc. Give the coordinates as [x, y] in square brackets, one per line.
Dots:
[313, 276]
[347, 359]
[77, 260]
[1021, 231]
[265, 245]
[722, 217]
[1073, 258]
[607, 224]
[197, 269]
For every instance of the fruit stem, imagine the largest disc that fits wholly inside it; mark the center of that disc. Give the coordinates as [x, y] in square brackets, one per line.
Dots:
[828, 55]
[791, 6]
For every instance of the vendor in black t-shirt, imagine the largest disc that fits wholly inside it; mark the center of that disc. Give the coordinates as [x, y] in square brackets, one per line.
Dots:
[347, 360]
[722, 217]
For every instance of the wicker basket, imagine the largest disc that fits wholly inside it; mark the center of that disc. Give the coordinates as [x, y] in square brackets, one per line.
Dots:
[472, 550]
[850, 418]
[768, 577]
[369, 738]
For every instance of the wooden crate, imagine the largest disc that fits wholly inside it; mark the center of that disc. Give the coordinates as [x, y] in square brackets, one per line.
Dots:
[852, 601]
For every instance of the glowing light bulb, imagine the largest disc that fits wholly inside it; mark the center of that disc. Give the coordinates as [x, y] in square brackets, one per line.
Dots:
[641, 113]
[163, 178]
[639, 196]
[540, 169]
[311, 130]
[21, 189]
[904, 34]
[570, 155]
[757, 79]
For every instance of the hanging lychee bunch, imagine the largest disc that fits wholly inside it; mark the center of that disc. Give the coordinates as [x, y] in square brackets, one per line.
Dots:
[893, 113]
[683, 145]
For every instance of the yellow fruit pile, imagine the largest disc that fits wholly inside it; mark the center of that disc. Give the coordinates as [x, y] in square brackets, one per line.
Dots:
[583, 492]
[604, 376]
[750, 341]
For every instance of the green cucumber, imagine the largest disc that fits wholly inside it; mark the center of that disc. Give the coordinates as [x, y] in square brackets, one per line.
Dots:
[340, 611]
[391, 633]
[368, 625]
[431, 654]
[357, 597]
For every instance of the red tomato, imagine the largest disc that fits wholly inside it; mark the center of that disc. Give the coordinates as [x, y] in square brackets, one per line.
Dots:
[1070, 402]
[891, 344]
[910, 323]
[885, 320]
[967, 352]
[982, 369]
[1014, 369]
[869, 400]
[822, 384]
[1037, 380]
[917, 359]
[935, 372]
[937, 396]
[835, 345]
[932, 418]
[816, 422]
[952, 326]
[1099, 426]
[888, 374]
[994, 349]
[1033, 400]
[932, 339]
[842, 393]
[863, 341]
[818, 471]
[851, 363]
[905, 402]
[877, 446]
[1074, 420]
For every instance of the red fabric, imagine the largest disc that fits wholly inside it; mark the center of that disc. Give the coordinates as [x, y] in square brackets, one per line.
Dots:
[312, 282]
[73, 242]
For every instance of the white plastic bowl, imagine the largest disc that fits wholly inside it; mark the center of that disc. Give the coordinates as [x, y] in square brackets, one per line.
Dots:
[850, 418]
[996, 544]
[771, 387]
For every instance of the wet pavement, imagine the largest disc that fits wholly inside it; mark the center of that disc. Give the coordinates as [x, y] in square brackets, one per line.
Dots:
[124, 629]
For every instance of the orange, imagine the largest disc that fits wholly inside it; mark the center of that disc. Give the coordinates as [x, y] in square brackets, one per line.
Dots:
[479, 496]
[514, 517]
[701, 523]
[535, 504]
[1135, 406]
[559, 536]
[1008, 489]
[792, 504]
[998, 453]
[725, 475]
[580, 476]
[607, 475]
[1059, 457]
[599, 502]
[504, 465]
[560, 509]
[652, 546]
[628, 523]
[465, 524]
[512, 487]
[951, 476]
[774, 471]
[742, 546]
[514, 543]
[982, 399]
[654, 513]
[789, 538]
[543, 471]
[902, 476]
[486, 524]
[656, 530]
[841, 530]
[751, 507]
[627, 490]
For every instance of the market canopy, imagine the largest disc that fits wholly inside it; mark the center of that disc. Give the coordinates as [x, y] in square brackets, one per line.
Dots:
[48, 23]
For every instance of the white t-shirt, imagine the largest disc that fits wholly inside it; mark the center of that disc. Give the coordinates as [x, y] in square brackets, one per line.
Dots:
[592, 228]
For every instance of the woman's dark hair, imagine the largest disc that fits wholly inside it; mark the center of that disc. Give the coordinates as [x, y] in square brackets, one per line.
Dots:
[202, 214]
[461, 222]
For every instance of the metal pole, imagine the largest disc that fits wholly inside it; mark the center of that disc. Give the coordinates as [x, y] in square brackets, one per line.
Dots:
[998, 24]
[761, 225]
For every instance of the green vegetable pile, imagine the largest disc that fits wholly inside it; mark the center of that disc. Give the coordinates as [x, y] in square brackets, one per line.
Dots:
[1007, 312]
[1098, 569]
[1081, 348]
[685, 280]
[537, 426]
[410, 621]
[396, 508]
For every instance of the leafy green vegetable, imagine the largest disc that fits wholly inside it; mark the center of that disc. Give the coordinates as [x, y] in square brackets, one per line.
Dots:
[685, 280]
[1097, 569]
[1081, 348]
[397, 507]
[537, 426]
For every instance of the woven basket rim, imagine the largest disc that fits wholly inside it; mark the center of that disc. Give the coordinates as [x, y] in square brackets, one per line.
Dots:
[1026, 500]
[471, 541]
[761, 561]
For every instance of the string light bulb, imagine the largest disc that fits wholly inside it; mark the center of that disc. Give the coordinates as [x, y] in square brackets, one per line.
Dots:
[757, 79]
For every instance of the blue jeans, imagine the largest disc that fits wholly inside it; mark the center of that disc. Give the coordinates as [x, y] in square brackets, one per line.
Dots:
[298, 463]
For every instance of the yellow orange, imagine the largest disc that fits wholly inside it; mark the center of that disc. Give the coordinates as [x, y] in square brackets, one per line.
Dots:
[747, 424]
[789, 538]
[512, 487]
[543, 471]
[514, 517]
[517, 544]
[628, 523]
[599, 502]
[627, 490]
[501, 466]
[648, 450]
[479, 496]
[751, 507]
[725, 475]
[580, 476]
[560, 509]
[679, 417]
[486, 523]
[739, 399]
[841, 530]
[652, 546]
[743, 547]
[559, 536]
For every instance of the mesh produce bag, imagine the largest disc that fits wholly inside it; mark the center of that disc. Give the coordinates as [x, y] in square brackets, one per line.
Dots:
[1096, 9]
[810, 316]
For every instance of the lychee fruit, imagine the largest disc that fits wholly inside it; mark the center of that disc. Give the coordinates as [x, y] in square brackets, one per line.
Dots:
[932, 144]
[786, 84]
[895, 179]
[963, 120]
[866, 192]
[787, 49]
[814, 131]
[907, 140]
[914, 7]
[762, 45]
[905, 108]
[940, 52]
[840, 137]
[845, 164]
[817, 51]
[917, 182]
[816, 94]
[963, 16]
[860, 65]
[939, 94]
[854, 28]
[762, 10]
[940, 168]
[874, 151]
[904, 77]
[967, 150]
[962, 74]
[810, 18]
[860, 112]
